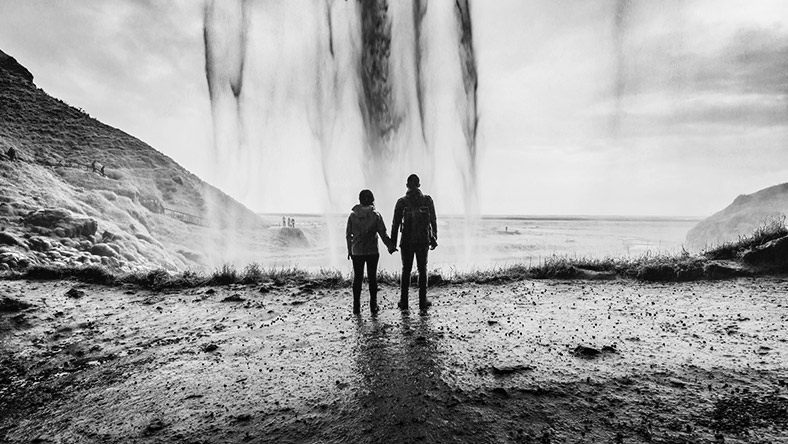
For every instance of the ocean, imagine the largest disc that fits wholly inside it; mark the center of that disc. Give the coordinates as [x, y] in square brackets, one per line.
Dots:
[493, 241]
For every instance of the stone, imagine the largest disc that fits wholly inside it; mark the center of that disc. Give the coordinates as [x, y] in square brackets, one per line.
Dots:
[59, 232]
[723, 270]
[233, 298]
[103, 250]
[75, 293]
[53, 218]
[11, 305]
[7, 210]
[773, 254]
[503, 370]
[586, 352]
[7, 238]
[38, 243]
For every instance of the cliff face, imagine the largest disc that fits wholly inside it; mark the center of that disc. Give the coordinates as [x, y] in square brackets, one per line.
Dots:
[741, 217]
[148, 210]
[11, 66]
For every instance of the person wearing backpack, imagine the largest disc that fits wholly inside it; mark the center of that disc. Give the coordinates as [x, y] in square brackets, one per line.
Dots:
[414, 216]
[363, 227]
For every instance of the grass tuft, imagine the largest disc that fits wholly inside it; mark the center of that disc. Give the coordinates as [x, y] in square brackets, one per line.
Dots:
[768, 231]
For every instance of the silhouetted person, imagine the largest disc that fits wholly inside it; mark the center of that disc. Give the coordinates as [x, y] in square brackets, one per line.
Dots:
[283, 222]
[93, 166]
[102, 170]
[363, 227]
[414, 214]
[11, 154]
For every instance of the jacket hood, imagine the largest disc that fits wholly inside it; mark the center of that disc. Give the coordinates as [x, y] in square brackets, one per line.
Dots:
[362, 210]
[415, 192]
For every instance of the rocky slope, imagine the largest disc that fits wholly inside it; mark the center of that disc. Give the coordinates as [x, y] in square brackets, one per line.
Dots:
[82, 192]
[741, 218]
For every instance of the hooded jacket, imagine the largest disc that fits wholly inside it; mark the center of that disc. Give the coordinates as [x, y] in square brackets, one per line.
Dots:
[363, 227]
[413, 198]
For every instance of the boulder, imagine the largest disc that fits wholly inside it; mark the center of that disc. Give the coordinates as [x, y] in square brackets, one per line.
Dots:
[38, 243]
[53, 218]
[103, 250]
[291, 238]
[773, 254]
[7, 238]
[7, 210]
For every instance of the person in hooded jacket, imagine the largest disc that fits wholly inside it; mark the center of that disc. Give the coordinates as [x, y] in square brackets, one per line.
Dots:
[363, 227]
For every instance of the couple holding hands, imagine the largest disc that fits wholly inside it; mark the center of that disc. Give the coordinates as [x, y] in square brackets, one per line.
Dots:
[414, 216]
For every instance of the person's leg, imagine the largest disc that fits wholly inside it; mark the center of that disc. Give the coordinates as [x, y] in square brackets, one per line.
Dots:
[372, 278]
[407, 266]
[421, 265]
[358, 277]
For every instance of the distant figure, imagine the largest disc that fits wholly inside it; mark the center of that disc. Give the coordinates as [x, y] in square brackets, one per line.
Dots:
[283, 222]
[506, 229]
[11, 154]
[102, 170]
[93, 166]
[363, 227]
[414, 214]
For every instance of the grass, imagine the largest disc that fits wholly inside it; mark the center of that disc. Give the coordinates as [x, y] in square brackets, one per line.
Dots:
[767, 231]
[648, 268]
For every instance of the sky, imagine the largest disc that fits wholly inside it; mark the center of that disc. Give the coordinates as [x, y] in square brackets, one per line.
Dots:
[604, 107]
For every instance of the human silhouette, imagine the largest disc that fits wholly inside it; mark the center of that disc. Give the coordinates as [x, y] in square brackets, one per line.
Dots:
[364, 224]
[414, 215]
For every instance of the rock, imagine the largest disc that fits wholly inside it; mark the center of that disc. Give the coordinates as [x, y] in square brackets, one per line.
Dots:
[773, 254]
[7, 210]
[178, 180]
[4, 267]
[586, 352]
[38, 243]
[108, 236]
[52, 218]
[723, 270]
[59, 232]
[503, 370]
[154, 426]
[11, 305]
[75, 293]
[233, 298]
[103, 250]
[7, 238]
[207, 348]
[85, 245]
[10, 65]
[291, 238]
[500, 391]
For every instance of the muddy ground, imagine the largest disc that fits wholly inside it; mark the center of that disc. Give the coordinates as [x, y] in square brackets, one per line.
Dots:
[664, 363]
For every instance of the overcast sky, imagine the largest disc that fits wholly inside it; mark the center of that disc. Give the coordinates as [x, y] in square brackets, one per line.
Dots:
[608, 107]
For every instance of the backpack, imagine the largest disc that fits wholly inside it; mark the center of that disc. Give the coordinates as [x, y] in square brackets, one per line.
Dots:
[416, 228]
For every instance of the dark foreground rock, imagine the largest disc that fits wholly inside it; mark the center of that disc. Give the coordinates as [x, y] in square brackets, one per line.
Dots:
[773, 254]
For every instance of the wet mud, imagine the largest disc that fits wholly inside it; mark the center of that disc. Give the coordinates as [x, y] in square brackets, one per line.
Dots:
[529, 362]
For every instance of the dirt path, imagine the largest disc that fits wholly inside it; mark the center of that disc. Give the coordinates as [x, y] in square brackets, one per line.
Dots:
[678, 363]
